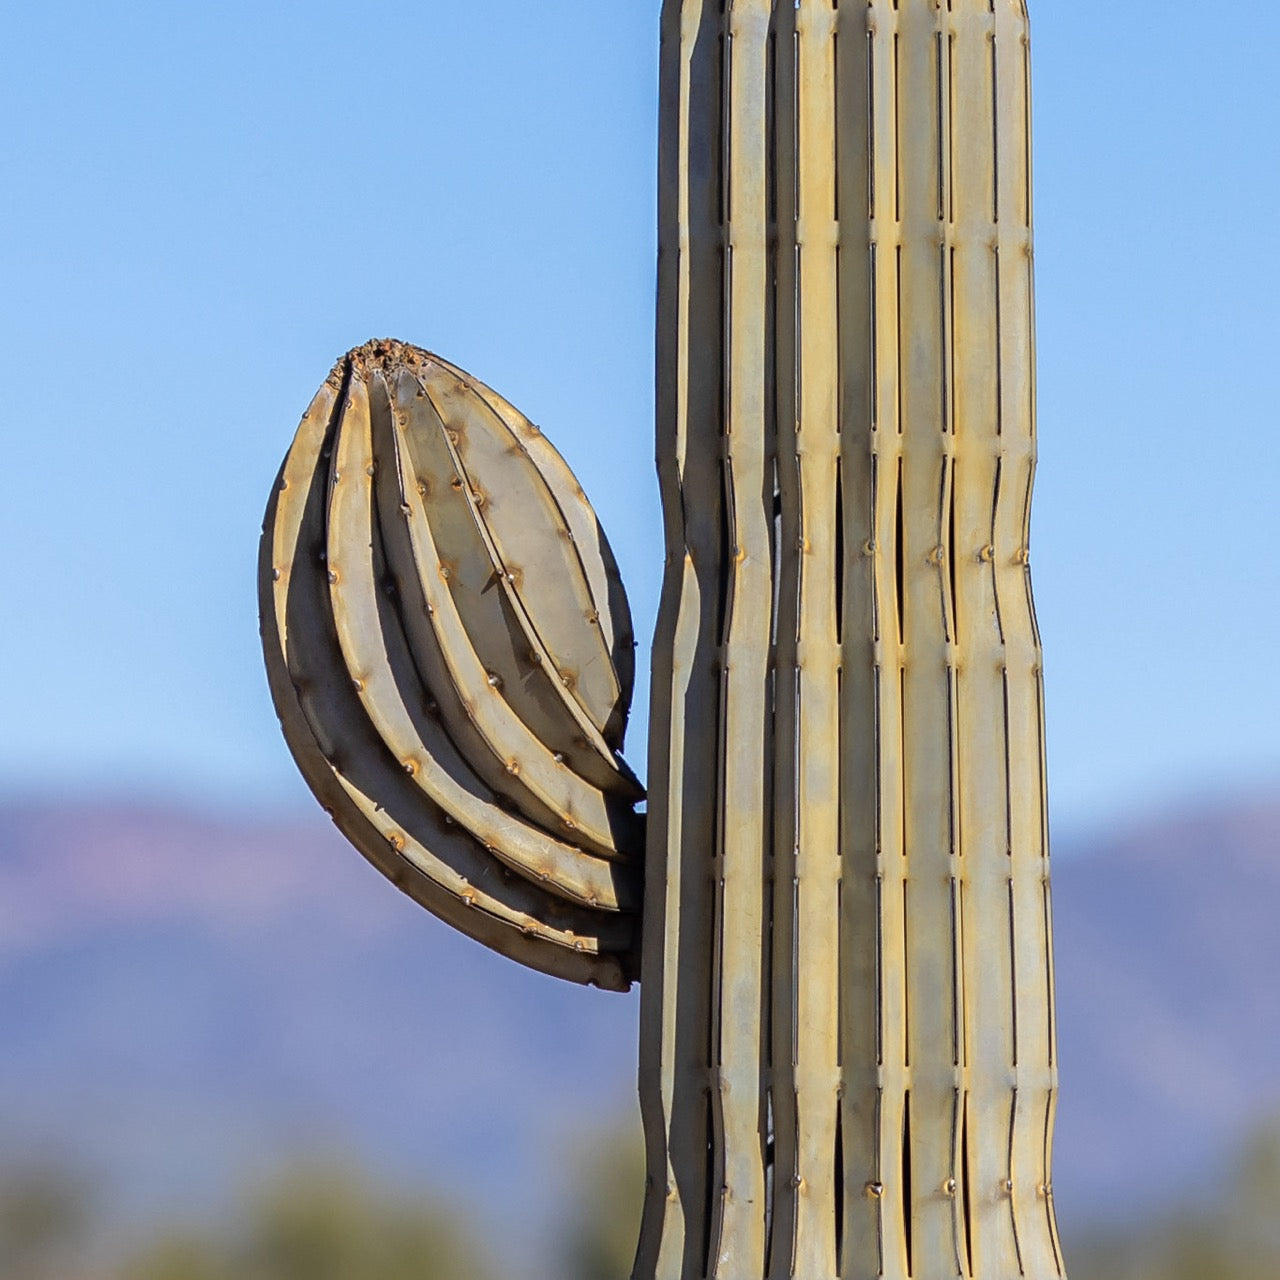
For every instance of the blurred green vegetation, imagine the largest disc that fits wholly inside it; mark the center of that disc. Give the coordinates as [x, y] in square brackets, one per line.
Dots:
[1231, 1233]
[309, 1224]
[602, 1222]
[320, 1225]
[330, 1224]
[44, 1223]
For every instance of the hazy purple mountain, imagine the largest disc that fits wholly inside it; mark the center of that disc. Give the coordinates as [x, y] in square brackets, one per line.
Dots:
[184, 1000]
[1168, 963]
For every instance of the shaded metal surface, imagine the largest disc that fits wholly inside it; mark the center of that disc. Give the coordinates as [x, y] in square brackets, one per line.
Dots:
[847, 1047]
[429, 701]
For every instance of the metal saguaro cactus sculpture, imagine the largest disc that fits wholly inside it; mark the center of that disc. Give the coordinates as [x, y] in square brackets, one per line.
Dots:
[847, 1028]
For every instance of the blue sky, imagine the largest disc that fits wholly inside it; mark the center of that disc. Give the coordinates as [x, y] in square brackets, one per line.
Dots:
[203, 206]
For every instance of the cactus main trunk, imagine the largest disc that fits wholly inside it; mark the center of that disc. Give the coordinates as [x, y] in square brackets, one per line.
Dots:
[848, 1063]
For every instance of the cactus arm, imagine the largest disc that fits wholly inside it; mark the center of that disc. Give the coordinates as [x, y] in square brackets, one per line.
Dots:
[374, 650]
[318, 708]
[498, 744]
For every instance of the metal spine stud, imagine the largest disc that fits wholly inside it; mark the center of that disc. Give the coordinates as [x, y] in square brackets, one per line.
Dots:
[847, 1044]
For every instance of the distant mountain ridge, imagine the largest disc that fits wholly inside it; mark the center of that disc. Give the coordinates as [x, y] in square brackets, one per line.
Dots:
[184, 999]
[1168, 964]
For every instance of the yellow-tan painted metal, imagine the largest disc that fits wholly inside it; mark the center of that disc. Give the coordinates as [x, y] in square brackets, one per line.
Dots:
[847, 1057]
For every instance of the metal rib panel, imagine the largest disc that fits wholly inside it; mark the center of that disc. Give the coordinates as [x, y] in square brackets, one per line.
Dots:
[738, 1233]
[591, 546]
[786, 626]
[530, 539]
[815, 446]
[678, 994]
[861, 962]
